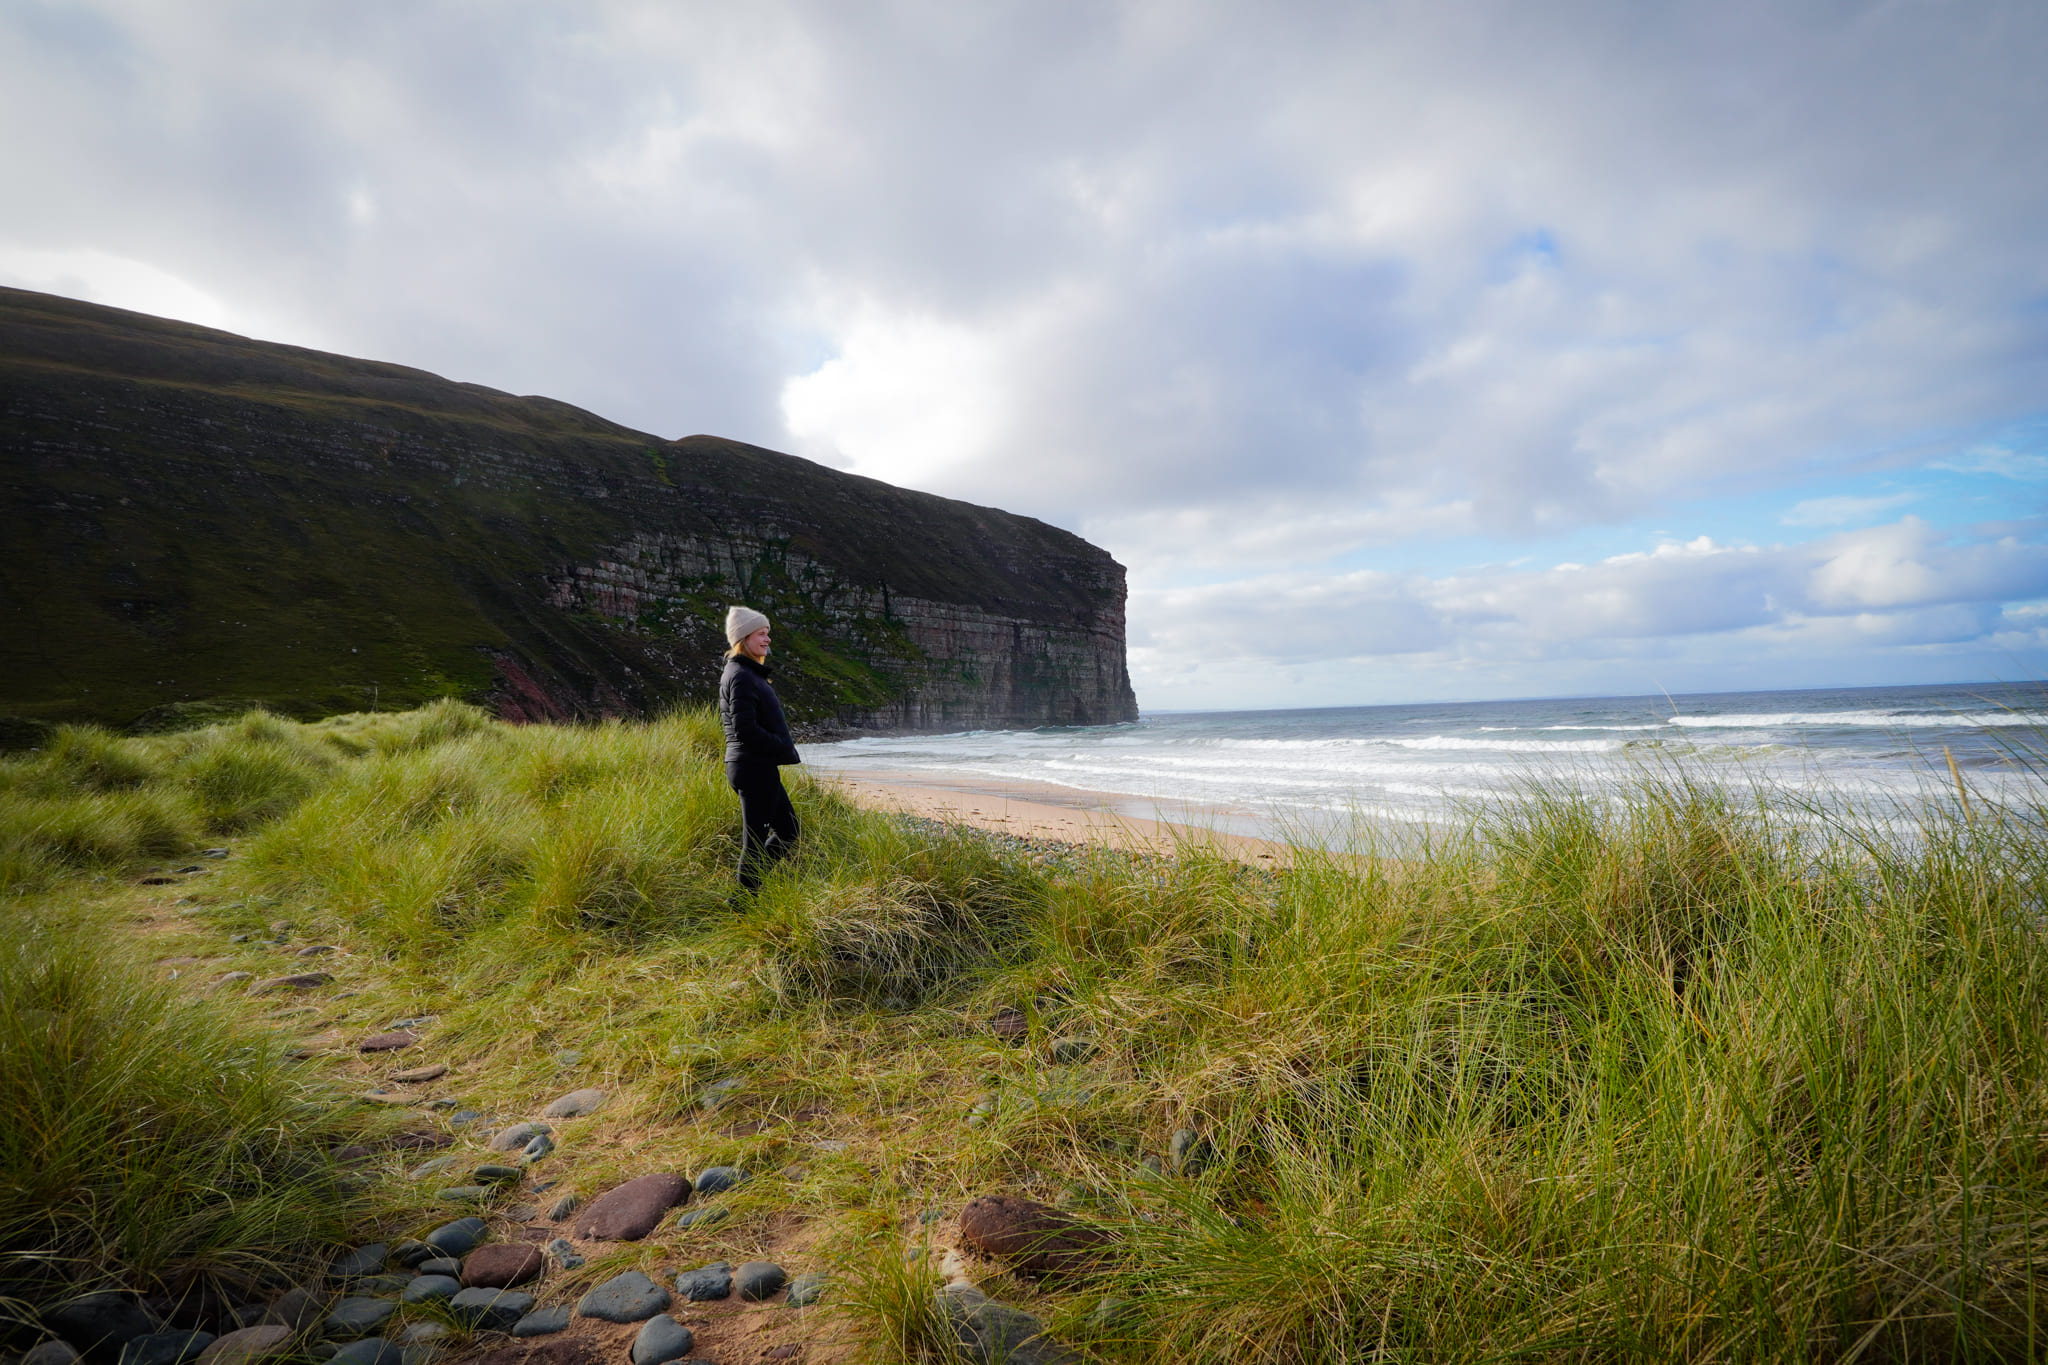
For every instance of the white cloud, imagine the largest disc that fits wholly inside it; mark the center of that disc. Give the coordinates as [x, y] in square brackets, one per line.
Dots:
[1839, 511]
[2002, 461]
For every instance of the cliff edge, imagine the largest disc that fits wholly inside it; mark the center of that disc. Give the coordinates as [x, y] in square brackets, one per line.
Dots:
[195, 522]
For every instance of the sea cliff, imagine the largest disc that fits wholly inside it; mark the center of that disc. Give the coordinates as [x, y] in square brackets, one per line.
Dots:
[195, 521]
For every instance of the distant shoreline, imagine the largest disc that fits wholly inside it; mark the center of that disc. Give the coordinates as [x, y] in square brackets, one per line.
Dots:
[1037, 810]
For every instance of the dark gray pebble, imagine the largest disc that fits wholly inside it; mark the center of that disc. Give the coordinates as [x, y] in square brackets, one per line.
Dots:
[491, 1310]
[462, 1118]
[463, 1194]
[369, 1351]
[458, 1238]
[563, 1207]
[165, 1348]
[706, 1283]
[758, 1280]
[718, 1179]
[98, 1325]
[50, 1353]
[439, 1265]
[709, 1216]
[358, 1317]
[541, 1145]
[495, 1175]
[543, 1322]
[630, 1297]
[430, 1289]
[411, 1253]
[663, 1339]
[807, 1288]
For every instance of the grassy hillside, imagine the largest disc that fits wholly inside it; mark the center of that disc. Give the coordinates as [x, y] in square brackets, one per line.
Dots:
[195, 521]
[1679, 1079]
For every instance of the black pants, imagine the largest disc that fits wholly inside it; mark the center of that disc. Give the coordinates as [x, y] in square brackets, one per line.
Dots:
[768, 828]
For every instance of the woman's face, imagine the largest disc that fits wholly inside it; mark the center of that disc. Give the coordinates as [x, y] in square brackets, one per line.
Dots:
[757, 643]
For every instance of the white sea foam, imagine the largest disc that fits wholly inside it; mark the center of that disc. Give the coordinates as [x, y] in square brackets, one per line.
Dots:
[1875, 720]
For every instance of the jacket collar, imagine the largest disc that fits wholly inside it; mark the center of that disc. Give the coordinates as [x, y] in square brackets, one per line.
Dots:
[747, 661]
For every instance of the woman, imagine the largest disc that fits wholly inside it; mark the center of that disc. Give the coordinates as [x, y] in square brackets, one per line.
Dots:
[757, 742]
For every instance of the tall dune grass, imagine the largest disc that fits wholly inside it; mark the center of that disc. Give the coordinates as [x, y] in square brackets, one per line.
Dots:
[1674, 1076]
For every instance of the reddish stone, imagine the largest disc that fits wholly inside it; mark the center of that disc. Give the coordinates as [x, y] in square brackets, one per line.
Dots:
[389, 1042]
[248, 1345]
[1035, 1237]
[630, 1211]
[1010, 1025]
[501, 1265]
[304, 981]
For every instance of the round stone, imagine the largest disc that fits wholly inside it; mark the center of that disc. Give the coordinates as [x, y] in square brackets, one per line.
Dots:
[543, 1322]
[501, 1265]
[718, 1179]
[706, 1283]
[575, 1104]
[358, 1317]
[491, 1310]
[630, 1297]
[663, 1339]
[430, 1289]
[458, 1238]
[758, 1279]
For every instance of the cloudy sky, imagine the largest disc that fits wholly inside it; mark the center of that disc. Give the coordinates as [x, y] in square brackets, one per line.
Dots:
[1400, 350]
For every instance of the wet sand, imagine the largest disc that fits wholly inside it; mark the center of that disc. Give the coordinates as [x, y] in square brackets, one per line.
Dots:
[1034, 810]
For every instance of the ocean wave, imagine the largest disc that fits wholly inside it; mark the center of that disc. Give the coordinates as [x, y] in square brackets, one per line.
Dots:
[1516, 746]
[1874, 720]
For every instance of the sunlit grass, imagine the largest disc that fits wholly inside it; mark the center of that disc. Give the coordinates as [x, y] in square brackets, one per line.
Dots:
[1676, 1075]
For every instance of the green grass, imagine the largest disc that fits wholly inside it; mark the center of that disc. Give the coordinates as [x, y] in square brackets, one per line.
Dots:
[1677, 1077]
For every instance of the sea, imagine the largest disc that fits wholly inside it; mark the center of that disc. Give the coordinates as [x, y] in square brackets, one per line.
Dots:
[1328, 774]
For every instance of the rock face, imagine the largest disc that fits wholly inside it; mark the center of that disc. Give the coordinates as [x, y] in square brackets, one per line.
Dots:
[196, 521]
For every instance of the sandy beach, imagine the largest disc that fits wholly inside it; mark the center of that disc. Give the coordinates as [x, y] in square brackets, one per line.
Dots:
[1034, 810]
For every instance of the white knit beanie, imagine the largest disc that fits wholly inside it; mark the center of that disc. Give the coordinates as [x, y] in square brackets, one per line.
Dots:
[740, 622]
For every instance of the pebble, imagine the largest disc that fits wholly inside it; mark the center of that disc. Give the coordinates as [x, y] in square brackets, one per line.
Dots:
[630, 1297]
[568, 1057]
[234, 979]
[495, 1175]
[574, 1105]
[563, 1207]
[430, 1288]
[705, 1283]
[411, 1253]
[439, 1265]
[388, 1042]
[297, 1309]
[248, 1344]
[543, 1322]
[541, 1145]
[238, 938]
[710, 1216]
[718, 1092]
[463, 1194]
[628, 1212]
[427, 1168]
[100, 1324]
[1188, 1153]
[370, 1351]
[165, 1348]
[663, 1339]
[462, 1118]
[50, 1353]
[517, 1136]
[718, 1179]
[303, 981]
[443, 1104]
[565, 1254]
[997, 1334]
[358, 1317]
[493, 1310]
[417, 1074]
[519, 1213]
[757, 1280]
[984, 1109]
[420, 1332]
[502, 1265]
[458, 1238]
[367, 1259]
[213, 853]
[316, 950]
[807, 1288]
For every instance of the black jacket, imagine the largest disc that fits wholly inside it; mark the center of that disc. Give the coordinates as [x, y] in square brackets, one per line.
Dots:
[755, 731]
